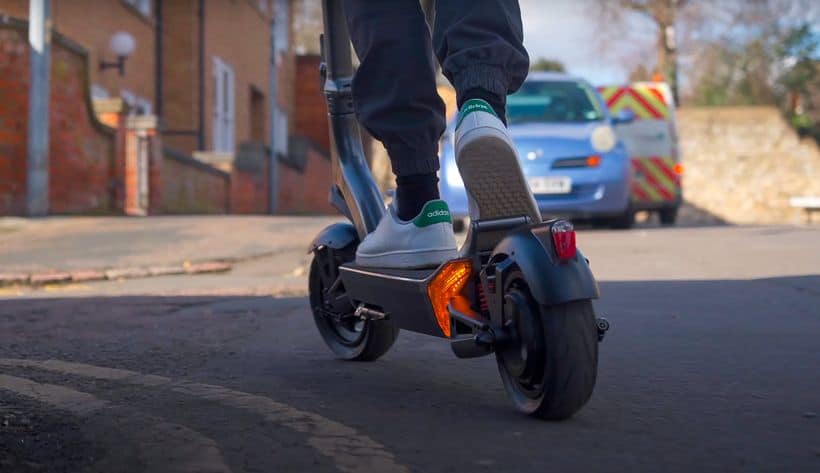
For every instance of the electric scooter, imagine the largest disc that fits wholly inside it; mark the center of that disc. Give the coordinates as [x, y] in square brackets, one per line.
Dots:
[519, 289]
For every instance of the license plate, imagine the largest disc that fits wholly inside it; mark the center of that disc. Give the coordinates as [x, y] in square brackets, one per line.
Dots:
[550, 185]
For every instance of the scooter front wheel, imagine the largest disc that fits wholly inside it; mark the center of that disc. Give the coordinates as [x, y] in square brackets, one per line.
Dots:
[550, 365]
[350, 337]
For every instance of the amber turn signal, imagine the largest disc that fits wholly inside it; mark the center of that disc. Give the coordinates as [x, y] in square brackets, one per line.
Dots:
[593, 161]
[679, 169]
[447, 284]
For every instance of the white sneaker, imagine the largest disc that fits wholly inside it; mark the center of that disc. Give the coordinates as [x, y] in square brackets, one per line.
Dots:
[427, 240]
[488, 162]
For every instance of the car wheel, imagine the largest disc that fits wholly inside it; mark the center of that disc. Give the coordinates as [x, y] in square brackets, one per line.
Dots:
[668, 216]
[624, 221]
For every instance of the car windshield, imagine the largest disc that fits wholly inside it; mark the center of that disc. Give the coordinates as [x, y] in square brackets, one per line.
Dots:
[553, 102]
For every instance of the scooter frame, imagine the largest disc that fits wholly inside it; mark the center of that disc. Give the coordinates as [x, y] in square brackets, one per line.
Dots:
[402, 294]
[519, 289]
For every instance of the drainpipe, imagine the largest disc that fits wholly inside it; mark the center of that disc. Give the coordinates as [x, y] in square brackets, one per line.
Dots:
[201, 39]
[273, 100]
[158, 66]
[39, 38]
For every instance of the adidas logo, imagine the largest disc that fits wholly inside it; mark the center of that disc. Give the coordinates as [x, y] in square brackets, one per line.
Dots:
[438, 213]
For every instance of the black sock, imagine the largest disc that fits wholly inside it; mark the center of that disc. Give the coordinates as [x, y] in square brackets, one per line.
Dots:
[498, 103]
[412, 192]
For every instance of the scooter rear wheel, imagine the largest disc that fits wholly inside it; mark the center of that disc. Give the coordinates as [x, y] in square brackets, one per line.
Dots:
[549, 368]
[350, 337]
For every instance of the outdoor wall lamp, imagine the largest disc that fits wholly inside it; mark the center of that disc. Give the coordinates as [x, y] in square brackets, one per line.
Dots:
[122, 44]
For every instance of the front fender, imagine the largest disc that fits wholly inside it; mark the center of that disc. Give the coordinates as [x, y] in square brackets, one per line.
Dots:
[337, 236]
[551, 281]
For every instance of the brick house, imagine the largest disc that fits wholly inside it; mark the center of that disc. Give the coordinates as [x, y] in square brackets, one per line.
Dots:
[188, 125]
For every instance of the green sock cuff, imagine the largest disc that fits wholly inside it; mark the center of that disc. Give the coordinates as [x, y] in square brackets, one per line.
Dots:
[474, 105]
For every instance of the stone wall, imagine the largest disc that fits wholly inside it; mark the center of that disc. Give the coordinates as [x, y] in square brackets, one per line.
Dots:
[744, 163]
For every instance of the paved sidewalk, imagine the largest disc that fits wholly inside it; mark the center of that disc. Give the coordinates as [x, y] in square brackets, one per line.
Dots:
[50, 250]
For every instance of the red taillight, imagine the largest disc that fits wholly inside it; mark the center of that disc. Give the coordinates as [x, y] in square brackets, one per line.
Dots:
[563, 236]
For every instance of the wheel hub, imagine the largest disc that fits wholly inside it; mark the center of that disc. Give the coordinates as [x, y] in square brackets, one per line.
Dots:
[333, 303]
[523, 355]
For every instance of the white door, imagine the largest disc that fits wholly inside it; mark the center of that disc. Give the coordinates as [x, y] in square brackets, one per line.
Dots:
[224, 107]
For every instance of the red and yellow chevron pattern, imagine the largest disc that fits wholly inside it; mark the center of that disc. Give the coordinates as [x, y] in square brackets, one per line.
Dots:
[655, 179]
[645, 101]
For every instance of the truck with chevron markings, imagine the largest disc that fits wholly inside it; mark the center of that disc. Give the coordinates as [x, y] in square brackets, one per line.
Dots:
[651, 140]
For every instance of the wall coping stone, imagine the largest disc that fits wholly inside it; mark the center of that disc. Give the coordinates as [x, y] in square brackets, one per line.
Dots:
[183, 158]
[111, 105]
[142, 122]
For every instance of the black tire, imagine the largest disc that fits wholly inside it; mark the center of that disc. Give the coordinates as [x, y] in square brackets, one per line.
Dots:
[624, 221]
[350, 339]
[567, 362]
[459, 225]
[668, 216]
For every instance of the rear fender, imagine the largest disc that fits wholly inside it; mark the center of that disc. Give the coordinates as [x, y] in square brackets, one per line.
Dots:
[336, 236]
[531, 251]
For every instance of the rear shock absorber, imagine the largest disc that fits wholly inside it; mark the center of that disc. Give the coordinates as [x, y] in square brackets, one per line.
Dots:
[482, 297]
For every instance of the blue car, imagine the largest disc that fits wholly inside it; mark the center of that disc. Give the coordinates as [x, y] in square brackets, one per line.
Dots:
[575, 164]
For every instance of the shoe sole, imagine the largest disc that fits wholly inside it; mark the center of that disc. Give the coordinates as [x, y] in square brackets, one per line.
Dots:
[493, 177]
[407, 259]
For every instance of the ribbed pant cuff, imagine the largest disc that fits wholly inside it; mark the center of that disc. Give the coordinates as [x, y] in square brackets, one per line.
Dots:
[409, 161]
[489, 78]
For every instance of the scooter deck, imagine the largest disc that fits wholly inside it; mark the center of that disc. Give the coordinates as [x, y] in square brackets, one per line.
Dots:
[400, 293]
[421, 274]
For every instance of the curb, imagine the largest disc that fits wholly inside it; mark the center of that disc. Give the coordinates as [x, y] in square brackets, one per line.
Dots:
[53, 277]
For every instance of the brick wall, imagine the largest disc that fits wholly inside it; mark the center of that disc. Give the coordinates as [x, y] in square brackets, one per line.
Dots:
[249, 192]
[180, 73]
[310, 111]
[14, 82]
[191, 187]
[305, 180]
[81, 149]
[306, 190]
[239, 34]
[91, 23]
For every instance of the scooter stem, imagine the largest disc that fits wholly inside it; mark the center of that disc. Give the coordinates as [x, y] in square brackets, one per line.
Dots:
[351, 174]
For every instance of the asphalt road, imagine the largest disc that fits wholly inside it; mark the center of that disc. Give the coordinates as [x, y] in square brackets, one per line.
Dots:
[712, 364]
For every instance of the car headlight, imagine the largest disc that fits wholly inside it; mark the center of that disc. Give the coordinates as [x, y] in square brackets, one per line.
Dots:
[603, 139]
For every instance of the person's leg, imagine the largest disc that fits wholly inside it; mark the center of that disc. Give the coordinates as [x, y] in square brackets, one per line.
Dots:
[394, 93]
[480, 46]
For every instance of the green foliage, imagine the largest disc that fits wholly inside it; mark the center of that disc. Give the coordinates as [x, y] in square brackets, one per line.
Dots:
[779, 68]
[799, 46]
[547, 65]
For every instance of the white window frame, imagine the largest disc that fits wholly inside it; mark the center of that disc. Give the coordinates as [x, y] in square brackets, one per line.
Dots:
[142, 6]
[224, 116]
